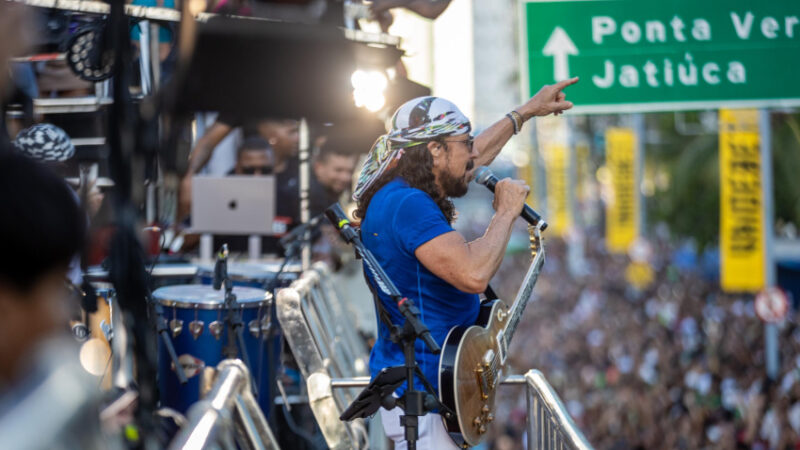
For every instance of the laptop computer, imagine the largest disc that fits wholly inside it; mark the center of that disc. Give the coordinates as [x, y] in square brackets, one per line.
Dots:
[233, 205]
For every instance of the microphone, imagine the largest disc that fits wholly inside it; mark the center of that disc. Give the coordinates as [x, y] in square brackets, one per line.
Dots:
[485, 177]
[299, 231]
[221, 267]
[339, 219]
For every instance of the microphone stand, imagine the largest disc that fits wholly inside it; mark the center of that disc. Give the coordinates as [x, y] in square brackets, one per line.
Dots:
[413, 402]
[233, 319]
[163, 330]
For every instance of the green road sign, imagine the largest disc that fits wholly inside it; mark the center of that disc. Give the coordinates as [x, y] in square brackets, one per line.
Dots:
[635, 56]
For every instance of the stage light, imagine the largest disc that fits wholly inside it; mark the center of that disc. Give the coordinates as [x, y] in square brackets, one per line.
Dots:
[368, 89]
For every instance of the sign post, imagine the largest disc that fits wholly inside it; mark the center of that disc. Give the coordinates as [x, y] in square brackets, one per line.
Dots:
[635, 56]
[771, 329]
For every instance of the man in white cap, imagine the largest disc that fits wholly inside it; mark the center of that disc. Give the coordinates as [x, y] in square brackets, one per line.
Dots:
[403, 196]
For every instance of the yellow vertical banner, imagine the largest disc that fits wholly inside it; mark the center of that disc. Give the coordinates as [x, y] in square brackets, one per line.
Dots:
[741, 206]
[556, 159]
[622, 202]
[553, 136]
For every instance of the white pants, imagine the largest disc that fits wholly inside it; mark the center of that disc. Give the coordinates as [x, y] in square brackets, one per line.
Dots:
[432, 433]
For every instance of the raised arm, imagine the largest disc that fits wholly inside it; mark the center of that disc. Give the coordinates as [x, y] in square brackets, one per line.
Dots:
[430, 9]
[549, 99]
[199, 157]
[205, 146]
[470, 265]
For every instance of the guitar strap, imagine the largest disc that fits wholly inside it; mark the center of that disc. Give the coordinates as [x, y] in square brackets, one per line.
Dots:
[382, 313]
[489, 294]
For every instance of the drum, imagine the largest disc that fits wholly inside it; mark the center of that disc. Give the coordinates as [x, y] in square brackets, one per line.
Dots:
[196, 317]
[260, 275]
[95, 351]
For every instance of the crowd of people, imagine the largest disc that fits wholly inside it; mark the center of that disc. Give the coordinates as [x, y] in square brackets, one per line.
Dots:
[675, 365]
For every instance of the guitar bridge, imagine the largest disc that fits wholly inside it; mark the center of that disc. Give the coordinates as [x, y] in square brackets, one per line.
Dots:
[481, 379]
[486, 374]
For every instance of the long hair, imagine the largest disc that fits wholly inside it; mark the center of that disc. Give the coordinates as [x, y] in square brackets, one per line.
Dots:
[416, 168]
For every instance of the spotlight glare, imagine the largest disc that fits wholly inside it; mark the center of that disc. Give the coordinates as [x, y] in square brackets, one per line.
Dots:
[368, 88]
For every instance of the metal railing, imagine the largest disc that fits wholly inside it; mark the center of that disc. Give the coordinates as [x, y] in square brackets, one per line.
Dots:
[548, 421]
[326, 345]
[228, 415]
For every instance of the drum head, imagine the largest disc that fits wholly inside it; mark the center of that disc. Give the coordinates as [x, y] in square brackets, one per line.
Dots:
[254, 271]
[206, 297]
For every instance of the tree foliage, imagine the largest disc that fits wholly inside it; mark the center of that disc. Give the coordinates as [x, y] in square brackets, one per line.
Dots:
[689, 203]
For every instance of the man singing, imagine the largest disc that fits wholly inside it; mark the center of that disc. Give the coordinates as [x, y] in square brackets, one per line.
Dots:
[403, 196]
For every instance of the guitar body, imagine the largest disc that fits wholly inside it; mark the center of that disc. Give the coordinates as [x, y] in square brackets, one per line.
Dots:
[473, 357]
[469, 369]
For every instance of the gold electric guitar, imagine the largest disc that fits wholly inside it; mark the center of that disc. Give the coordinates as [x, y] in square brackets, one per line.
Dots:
[473, 357]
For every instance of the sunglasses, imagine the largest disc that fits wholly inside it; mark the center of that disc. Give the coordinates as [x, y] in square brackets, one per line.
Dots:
[469, 142]
[263, 170]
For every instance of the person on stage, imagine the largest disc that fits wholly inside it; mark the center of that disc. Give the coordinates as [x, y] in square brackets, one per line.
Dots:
[406, 214]
[284, 138]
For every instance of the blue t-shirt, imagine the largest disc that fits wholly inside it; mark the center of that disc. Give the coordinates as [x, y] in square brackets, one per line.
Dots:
[399, 219]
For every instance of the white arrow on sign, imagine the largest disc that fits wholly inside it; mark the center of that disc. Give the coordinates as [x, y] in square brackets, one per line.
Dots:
[560, 46]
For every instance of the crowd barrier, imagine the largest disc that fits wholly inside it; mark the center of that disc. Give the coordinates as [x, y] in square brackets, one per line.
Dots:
[549, 424]
[326, 344]
[547, 418]
[228, 417]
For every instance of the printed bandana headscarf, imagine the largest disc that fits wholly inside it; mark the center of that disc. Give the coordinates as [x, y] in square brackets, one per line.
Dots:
[418, 121]
[45, 142]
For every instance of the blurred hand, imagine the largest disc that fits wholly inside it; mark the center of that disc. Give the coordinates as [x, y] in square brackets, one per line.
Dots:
[549, 99]
[94, 199]
[385, 20]
[509, 196]
[430, 9]
[184, 198]
[380, 6]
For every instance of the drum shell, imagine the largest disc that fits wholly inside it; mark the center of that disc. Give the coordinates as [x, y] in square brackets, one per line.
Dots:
[95, 353]
[207, 351]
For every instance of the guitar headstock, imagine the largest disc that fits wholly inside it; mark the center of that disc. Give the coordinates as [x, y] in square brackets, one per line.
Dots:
[536, 240]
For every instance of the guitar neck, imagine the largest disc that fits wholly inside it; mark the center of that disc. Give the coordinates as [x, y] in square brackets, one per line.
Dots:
[525, 291]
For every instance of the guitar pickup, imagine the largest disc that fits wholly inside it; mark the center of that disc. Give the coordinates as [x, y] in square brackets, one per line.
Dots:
[488, 357]
[502, 347]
